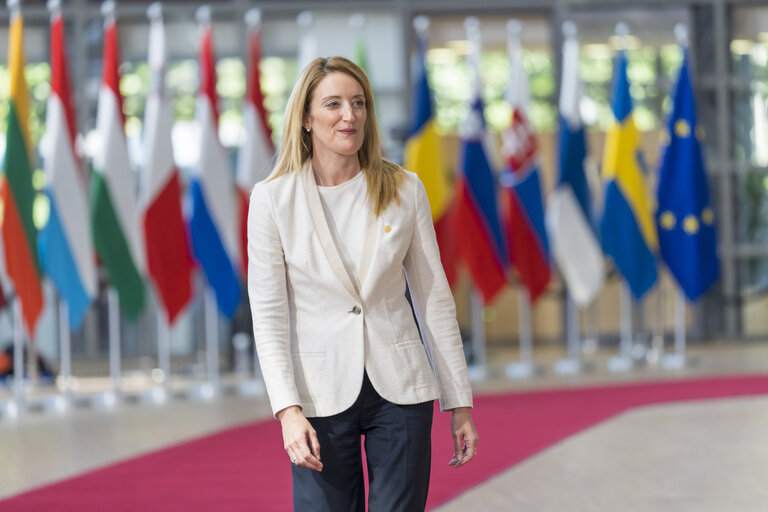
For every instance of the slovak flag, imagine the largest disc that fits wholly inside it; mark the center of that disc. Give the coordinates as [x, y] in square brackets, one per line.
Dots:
[257, 152]
[65, 243]
[523, 206]
[476, 215]
[213, 218]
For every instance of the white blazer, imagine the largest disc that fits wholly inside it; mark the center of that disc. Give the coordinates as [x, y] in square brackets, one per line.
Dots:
[317, 327]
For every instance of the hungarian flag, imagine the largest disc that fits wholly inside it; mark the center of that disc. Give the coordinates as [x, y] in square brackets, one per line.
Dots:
[424, 156]
[16, 192]
[524, 208]
[256, 153]
[213, 220]
[169, 260]
[114, 214]
[66, 248]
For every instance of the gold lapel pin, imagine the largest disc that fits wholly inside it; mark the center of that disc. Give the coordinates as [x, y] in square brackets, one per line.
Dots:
[387, 229]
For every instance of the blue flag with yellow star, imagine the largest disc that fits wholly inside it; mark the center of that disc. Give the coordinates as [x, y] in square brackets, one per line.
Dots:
[684, 216]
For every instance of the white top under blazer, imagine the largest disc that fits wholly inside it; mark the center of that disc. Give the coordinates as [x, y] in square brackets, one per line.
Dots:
[345, 211]
[317, 328]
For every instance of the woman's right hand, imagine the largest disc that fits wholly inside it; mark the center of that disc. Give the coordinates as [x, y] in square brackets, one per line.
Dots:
[298, 437]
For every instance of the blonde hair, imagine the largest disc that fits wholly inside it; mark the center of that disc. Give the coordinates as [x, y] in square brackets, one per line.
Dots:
[383, 177]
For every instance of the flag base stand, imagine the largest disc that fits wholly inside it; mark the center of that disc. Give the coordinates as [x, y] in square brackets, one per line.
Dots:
[9, 409]
[156, 395]
[674, 361]
[203, 391]
[105, 400]
[56, 404]
[253, 387]
[520, 370]
[570, 366]
[620, 364]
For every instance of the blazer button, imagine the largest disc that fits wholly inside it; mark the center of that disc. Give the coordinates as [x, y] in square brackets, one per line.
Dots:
[356, 310]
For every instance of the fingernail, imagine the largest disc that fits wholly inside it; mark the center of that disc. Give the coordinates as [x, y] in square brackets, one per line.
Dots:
[454, 460]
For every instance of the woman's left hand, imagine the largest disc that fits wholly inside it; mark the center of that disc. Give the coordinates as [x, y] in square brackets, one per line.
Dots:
[464, 437]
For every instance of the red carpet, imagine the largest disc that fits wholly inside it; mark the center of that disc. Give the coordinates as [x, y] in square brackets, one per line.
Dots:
[245, 468]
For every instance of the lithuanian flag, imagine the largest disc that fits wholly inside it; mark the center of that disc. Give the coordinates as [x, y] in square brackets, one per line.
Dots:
[16, 191]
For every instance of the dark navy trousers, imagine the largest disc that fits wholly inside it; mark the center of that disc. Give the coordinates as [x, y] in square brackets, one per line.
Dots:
[398, 456]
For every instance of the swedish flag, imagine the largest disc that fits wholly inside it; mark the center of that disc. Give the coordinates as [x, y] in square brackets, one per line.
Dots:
[627, 228]
[685, 217]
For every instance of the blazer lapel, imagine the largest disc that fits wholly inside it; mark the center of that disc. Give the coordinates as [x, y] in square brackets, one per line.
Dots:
[324, 232]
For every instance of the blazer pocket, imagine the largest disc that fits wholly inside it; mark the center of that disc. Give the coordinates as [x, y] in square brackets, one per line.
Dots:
[403, 345]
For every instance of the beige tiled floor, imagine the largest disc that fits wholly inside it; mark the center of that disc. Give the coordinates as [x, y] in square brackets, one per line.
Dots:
[699, 456]
[707, 457]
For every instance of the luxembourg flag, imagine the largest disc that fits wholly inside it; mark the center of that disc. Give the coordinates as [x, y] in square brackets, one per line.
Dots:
[213, 221]
[169, 259]
[572, 233]
[66, 248]
[257, 152]
[476, 215]
[526, 235]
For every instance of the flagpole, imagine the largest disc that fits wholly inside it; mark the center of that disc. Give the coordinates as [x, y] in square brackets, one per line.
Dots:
[211, 339]
[114, 340]
[524, 367]
[677, 360]
[65, 349]
[478, 369]
[623, 362]
[18, 354]
[572, 363]
[164, 349]
[591, 342]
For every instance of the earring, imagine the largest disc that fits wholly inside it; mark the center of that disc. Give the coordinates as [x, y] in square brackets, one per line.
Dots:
[306, 128]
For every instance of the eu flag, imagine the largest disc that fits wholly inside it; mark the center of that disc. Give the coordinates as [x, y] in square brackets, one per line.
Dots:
[627, 228]
[685, 217]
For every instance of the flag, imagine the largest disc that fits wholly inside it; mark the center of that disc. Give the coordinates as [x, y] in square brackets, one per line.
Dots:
[475, 214]
[308, 44]
[574, 244]
[685, 217]
[66, 248]
[361, 58]
[424, 156]
[19, 233]
[627, 228]
[524, 223]
[357, 22]
[257, 152]
[213, 220]
[114, 214]
[168, 255]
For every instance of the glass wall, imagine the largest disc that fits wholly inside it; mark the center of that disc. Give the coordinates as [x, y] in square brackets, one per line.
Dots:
[749, 156]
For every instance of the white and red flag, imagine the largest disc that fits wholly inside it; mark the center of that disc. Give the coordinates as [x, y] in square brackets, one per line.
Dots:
[257, 152]
[169, 259]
